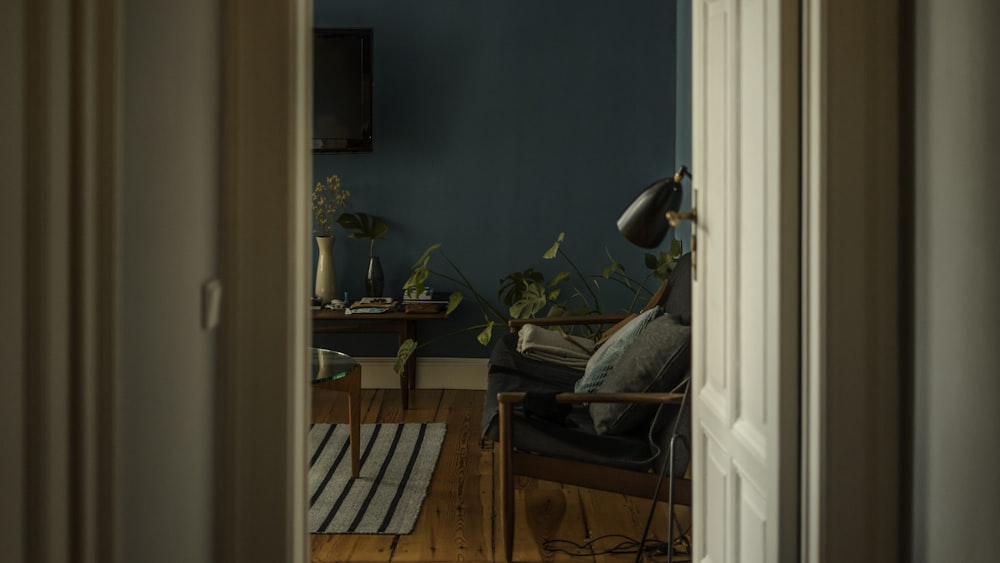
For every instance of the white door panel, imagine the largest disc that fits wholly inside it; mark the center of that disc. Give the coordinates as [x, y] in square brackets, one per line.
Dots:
[741, 469]
[712, 468]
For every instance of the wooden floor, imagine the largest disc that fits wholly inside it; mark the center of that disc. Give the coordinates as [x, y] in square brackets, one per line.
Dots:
[458, 522]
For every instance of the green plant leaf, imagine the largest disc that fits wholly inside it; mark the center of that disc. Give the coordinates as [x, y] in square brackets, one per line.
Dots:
[553, 251]
[662, 263]
[365, 226]
[556, 310]
[512, 285]
[406, 350]
[486, 335]
[349, 221]
[533, 301]
[676, 248]
[415, 283]
[517, 310]
[559, 278]
[453, 301]
[426, 256]
[612, 268]
[380, 228]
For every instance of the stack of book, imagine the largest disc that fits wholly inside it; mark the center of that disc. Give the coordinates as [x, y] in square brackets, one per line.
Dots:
[426, 302]
[372, 305]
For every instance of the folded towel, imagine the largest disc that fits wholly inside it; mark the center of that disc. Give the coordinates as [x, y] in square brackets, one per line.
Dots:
[554, 347]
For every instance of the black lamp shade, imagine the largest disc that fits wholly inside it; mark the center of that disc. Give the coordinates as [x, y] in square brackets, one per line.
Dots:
[644, 221]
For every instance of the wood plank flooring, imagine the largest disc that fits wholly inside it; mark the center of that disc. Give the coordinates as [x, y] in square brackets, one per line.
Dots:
[457, 521]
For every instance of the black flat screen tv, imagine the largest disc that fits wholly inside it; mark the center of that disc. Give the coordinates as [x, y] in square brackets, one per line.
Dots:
[342, 90]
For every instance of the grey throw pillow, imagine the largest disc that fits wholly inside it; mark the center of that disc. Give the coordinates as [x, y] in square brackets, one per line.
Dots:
[608, 354]
[656, 362]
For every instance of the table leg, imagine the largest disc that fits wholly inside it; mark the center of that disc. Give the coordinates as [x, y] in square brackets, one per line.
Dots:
[411, 364]
[404, 385]
[354, 406]
[351, 384]
[409, 379]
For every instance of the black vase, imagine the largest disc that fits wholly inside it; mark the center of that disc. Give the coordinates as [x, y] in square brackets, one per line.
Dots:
[374, 281]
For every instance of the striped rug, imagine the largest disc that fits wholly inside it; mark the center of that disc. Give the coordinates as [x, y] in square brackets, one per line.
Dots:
[397, 462]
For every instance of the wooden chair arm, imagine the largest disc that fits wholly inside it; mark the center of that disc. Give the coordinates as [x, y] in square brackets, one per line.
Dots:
[513, 397]
[516, 324]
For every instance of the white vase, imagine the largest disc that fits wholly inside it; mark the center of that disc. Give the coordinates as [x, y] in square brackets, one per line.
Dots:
[326, 276]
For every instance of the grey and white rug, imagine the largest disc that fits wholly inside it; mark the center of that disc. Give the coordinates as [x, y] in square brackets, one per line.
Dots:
[397, 463]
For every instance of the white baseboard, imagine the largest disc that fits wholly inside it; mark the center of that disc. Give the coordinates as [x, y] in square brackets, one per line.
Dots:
[432, 373]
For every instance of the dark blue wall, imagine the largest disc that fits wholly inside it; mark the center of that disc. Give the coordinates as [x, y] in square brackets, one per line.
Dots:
[683, 109]
[499, 124]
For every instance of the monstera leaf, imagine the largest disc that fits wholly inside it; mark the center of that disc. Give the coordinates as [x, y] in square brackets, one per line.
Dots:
[364, 225]
[533, 299]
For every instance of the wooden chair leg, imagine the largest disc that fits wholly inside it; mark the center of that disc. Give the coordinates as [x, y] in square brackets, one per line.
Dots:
[506, 481]
[354, 407]
[351, 384]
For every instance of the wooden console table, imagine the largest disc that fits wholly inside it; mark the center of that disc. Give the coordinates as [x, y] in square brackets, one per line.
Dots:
[404, 325]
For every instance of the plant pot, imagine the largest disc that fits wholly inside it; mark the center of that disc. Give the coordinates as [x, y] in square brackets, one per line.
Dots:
[326, 276]
[374, 281]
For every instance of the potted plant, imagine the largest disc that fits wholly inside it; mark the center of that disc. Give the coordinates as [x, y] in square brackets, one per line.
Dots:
[527, 294]
[371, 227]
[327, 198]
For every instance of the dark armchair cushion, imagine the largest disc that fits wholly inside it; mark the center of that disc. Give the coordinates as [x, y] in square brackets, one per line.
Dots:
[678, 303]
[605, 357]
[573, 436]
[656, 362]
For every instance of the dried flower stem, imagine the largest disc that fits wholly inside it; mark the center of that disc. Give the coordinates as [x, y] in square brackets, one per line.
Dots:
[327, 199]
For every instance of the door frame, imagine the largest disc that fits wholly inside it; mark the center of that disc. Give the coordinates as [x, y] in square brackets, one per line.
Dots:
[263, 417]
[854, 255]
[60, 335]
[61, 239]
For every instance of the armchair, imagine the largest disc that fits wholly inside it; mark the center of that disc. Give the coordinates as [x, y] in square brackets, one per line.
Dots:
[615, 439]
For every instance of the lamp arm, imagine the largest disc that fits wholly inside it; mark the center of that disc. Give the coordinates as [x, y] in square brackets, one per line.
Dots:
[674, 217]
[681, 173]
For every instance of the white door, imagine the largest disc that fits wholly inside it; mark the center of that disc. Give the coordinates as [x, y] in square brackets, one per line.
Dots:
[745, 341]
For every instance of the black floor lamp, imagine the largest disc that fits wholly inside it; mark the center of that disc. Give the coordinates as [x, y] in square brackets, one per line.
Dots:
[646, 222]
[651, 215]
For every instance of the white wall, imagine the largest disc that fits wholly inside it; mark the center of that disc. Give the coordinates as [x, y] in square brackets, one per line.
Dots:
[956, 491]
[171, 177]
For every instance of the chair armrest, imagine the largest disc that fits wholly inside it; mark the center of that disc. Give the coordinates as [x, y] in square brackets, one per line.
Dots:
[513, 397]
[516, 324]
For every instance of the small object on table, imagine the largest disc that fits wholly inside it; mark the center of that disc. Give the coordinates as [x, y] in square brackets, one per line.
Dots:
[411, 295]
[426, 302]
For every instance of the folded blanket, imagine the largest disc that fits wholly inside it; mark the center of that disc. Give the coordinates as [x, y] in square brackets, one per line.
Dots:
[554, 347]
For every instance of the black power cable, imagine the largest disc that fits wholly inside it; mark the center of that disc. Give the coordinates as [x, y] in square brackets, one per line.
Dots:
[664, 470]
[627, 544]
